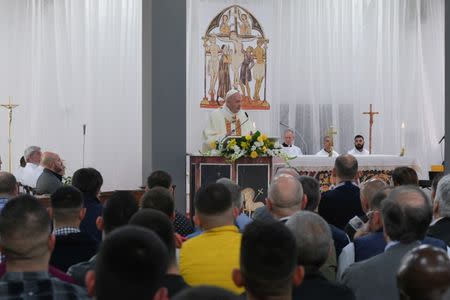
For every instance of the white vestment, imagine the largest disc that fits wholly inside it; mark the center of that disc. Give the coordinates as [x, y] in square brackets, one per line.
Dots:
[29, 175]
[356, 152]
[216, 129]
[322, 152]
[292, 151]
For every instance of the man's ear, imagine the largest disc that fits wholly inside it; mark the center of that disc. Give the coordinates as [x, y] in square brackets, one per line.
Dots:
[82, 213]
[89, 280]
[100, 223]
[436, 208]
[161, 294]
[51, 242]
[197, 221]
[299, 274]
[235, 212]
[172, 218]
[304, 202]
[50, 212]
[237, 277]
[333, 173]
[269, 205]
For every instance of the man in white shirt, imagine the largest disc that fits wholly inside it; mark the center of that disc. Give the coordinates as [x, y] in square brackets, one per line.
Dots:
[32, 170]
[327, 148]
[359, 147]
[288, 145]
[227, 121]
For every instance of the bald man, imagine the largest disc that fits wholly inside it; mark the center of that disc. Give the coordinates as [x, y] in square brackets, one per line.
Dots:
[51, 177]
[227, 121]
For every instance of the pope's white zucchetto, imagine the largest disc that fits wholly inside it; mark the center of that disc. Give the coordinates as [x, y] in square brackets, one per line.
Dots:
[230, 93]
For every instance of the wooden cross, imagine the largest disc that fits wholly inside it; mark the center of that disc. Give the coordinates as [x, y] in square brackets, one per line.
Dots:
[371, 113]
[10, 107]
[330, 133]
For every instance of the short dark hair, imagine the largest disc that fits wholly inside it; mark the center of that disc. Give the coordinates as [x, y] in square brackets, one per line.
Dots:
[24, 228]
[8, 183]
[205, 293]
[158, 198]
[268, 258]
[158, 222]
[358, 136]
[87, 180]
[346, 166]
[118, 210]
[406, 213]
[379, 197]
[131, 264]
[311, 188]
[159, 178]
[234, 189]
[66, 202]
[404, 176]
[214, 199]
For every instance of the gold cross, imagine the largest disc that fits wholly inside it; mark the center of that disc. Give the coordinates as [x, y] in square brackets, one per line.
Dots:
[330, 133]
[9, 107]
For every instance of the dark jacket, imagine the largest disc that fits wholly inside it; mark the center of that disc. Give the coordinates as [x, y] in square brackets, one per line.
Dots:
[441, 230]
[48, 182]
[315, 286]
[93, 210]
[338, 206]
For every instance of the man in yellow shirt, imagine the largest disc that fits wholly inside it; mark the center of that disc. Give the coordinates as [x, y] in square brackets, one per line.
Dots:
[209, 258]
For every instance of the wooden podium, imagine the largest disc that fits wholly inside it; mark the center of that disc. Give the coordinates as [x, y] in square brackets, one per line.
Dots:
[247, 172]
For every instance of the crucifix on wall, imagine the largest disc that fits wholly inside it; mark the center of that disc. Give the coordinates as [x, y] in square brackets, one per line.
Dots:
[370, 113]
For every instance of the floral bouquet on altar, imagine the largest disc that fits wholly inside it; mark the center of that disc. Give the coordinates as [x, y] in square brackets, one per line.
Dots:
[254, 146]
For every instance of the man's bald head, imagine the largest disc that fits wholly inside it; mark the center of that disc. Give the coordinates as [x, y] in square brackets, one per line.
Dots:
[406, 214]
[285, 195]
[53, 162]
[346, 167]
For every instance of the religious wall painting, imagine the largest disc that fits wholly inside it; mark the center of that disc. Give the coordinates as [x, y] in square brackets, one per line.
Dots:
[235, 48]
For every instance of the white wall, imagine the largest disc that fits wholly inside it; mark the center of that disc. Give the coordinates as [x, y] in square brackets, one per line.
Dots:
[68, 63]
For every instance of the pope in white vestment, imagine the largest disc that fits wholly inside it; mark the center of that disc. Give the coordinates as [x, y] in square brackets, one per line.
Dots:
[228, 120]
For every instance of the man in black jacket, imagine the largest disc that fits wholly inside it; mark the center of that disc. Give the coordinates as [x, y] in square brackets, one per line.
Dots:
[342, 203]
[72, 246]
[440, 227]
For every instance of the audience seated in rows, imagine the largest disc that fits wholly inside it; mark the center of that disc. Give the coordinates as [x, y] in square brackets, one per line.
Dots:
[8, 188]
[424, 274]
[440, 227]
[27, 243]
[72, 246]
[116, 213]
[406, 215]
[183, 225]
[209, 258]
[159, 222]
[32, 170]
[89, 181]
[268, 261]
[131, 264]
[51, 178]
[314, 244]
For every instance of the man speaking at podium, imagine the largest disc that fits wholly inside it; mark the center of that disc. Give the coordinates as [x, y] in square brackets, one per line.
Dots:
[227, 120]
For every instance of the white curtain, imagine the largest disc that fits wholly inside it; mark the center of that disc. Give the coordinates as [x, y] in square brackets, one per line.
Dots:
[68, 63]
[328, 60]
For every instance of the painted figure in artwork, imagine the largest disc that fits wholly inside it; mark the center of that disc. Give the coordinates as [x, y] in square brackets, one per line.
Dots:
[237, 57]
[213, 64]
[246, 72]
[224, 72]
[244, 26]
[224, 26]
[259, 69]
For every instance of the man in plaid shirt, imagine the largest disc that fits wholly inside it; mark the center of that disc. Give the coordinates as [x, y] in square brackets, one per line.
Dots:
[27, 243]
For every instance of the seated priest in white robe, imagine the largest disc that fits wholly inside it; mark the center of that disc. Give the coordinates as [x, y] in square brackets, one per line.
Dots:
[327, 149]
[359, 147]
[228, 120]
[288, 144]
[32, 170]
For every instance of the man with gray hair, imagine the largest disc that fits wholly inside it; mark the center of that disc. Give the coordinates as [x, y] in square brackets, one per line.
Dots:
[339, 205]
[314, 244]
[440, 227]
[8, 188]
[242, 219]
[285, 197]
[32, 170]
[288, 144]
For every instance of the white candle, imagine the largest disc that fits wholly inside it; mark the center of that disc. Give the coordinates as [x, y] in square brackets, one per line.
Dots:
[254, 126]
[402, 136]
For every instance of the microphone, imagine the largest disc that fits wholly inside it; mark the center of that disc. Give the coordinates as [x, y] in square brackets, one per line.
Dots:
[84, 143]
[240, 125]
[443, 138]
[84, 129]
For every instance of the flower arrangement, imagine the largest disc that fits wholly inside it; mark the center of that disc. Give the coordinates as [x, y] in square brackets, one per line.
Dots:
[252, 145]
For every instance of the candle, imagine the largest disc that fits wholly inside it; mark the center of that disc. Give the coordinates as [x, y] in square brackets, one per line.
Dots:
[254, 126]
[402, 136]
